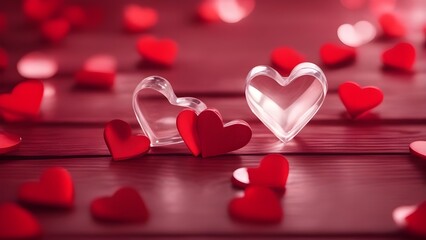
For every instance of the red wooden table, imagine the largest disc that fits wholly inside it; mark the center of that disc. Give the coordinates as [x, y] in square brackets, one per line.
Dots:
[346, 176]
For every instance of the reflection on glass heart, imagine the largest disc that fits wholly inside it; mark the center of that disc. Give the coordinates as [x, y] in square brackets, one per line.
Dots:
[157, 115]
[286, 105]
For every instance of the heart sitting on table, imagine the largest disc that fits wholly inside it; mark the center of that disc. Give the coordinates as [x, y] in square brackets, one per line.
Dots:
[17, 223]
[334, 55]
[138, 18]
[392, 27]
[162, 52]
[98, 71]
[55, 30]
[286, 59]
[418, 148]
[401, 56]
[8, 142]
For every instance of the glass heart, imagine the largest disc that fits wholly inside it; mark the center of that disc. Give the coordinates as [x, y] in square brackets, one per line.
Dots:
[157, 115]
[286, 104]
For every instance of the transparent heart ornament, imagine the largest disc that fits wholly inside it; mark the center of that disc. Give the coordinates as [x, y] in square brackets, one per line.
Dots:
[156, 107]
[286, 104]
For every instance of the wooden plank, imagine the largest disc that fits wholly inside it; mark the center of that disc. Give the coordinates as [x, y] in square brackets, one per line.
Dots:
[326, 195]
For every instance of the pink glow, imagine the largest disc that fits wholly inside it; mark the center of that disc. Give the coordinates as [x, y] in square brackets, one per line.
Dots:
[37, 65]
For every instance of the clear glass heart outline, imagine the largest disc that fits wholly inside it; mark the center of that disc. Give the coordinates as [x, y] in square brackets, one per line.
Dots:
[302, 69]
[164, 87]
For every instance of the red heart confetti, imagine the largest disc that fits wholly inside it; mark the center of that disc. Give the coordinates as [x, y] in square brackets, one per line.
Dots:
[391, 26]
[207, 12]
[333, 55]
[214, 138]
[4, 60]
[17, 223]
[55, 189]
[357, 100]
[401, 57]
[259, 205]
[121, 143]
[24, 101]
[137, 18]
[40, 10]
[55, 30]
[8, 142]
[76, 16]
[98, 71]
[286, 59]
[418, 148]
[272, 172]
[158, 51]
[416, 221]
[126, 205]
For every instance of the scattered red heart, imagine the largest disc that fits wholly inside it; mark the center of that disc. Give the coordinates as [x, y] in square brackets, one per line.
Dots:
[121, 143]
[55, 189]
[334, 55]
[418, 148]
[126, 205]
[416, 221]
[55, 30]
[98, 71]
[401, 57]
[207, 12]
[207, 135]
[8, 142]
[40, 10]
[391, 26]
[162, 52]
[24, 101]
[76, 16]
[259, 204]
[286, 59]
[17, 223]
[359, 100]
[4, 60]
[137, 18]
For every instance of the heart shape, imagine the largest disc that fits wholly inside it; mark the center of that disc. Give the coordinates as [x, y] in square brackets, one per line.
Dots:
[55, 189]
[356, 35]
[206, 133]
[418, 148]
[8, 142]
[272, 173]
[357, 100]
[4, 60]
[207, 12]
[40, 10]
[121, 143]
[392, 27]
[286, 59]
[160, 126]
[76, 16]
[137, 18]
[23, 102]
[416, 221]
[98, 71]
[55, 30]
[17, 223]
[286, 105]
[259, 204]
[126, 205]
[333, 55]
[162, 52]
[401, 57]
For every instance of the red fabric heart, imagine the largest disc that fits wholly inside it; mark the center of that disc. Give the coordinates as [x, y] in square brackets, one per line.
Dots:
[121, 143]
[391, 26]
[55, 189]
[76, 16]
[416, 221]
[137, 18]
[359, 100]
[126, 205]
[272, 172]
[334, 55]
[418, 148]
[17, 223]
[207, 11]
[214, 138]
[286, 59]
[55, 30]
[258, 204]
[4, 60]
[24, 101]
[158, 51]
[98, 71]
[40, 10]
[8, 142]
[401, 57]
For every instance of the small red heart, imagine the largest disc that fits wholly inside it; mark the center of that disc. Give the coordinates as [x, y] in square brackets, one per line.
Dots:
[55, 30]
[137, 18]
[286, 58]
[55, 189]
[418, 148]
[24, 101]
[391, 26]
[272, 172]
[359, 100]
[8, 142]
[402, 57]
[76, 16]
[334, 55]
[158, 51]
[17, 223]
[207, 11]
[121, 143]
[40, 10]
[126, 205]
[98, 71]
[214, 138]
[416, 221]
[4, 60]
[258, 204]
